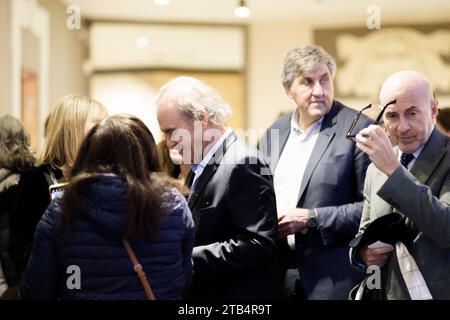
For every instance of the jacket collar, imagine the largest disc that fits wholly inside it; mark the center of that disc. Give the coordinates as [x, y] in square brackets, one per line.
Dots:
[430, 157]
[326, 135]
[210, 169]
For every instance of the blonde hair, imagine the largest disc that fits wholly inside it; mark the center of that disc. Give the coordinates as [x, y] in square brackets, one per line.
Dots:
[65, 129]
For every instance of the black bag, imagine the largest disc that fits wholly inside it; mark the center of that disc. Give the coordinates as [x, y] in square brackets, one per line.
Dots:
[389, 229]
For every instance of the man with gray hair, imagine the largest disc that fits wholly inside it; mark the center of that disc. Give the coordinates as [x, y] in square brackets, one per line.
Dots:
[318, 177]
[232, 201]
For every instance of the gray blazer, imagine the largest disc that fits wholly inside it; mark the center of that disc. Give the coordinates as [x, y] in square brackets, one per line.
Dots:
[423, 196]
[333, 184]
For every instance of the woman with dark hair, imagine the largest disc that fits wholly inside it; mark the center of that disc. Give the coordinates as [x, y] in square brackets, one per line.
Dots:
[16, 156]
[116, 191]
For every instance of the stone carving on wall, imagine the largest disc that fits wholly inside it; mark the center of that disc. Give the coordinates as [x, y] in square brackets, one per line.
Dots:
[366, 60]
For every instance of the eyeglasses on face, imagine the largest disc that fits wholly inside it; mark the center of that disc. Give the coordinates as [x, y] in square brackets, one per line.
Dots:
[351, 134]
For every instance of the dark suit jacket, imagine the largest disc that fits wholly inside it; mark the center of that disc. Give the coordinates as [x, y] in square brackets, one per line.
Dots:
[234, 210]
[423, 196]
[333, 184]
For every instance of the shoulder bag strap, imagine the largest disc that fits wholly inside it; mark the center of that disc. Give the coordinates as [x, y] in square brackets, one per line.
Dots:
[138, 268]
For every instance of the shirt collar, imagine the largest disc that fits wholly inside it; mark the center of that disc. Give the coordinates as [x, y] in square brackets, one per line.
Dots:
[419, 150]
[209, 155]
[312, 128]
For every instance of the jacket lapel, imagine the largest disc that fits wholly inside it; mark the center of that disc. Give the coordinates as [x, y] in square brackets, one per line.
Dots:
[209, 170]
[282, 139]
[326, 135]
[429, 158]
[189, 179]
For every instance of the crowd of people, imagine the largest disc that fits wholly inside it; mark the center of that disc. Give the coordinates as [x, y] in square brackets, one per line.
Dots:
[204, 216]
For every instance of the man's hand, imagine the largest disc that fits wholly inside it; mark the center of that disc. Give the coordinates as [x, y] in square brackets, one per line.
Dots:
[376, 256]
[292, 221]
[376, 144]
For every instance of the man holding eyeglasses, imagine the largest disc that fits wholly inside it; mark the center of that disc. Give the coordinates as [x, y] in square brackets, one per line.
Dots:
[414, 180]
[318, 177]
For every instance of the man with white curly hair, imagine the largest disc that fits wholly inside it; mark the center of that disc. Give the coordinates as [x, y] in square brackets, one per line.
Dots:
[232, 197]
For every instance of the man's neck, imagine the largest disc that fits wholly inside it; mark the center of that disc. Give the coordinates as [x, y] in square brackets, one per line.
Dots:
[211, 136]
[305, 121]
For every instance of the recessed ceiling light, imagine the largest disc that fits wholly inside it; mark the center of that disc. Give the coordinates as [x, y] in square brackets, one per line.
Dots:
[142, 42]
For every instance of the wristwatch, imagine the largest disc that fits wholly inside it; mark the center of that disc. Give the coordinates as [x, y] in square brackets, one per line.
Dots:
[312, 218]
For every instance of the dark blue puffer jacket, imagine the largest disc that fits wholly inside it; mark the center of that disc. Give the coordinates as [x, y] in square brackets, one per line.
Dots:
[93, 243]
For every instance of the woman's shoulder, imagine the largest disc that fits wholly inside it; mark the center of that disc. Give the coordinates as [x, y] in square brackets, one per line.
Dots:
[33, 175]
[172, 198]
[34, 183]
[176, 206]
[40, 171]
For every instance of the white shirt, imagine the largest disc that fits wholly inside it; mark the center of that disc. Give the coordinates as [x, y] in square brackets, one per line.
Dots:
[291, 167]
[198, 168]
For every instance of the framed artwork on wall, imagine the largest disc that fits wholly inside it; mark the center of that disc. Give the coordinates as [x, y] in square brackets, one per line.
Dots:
[30, 106]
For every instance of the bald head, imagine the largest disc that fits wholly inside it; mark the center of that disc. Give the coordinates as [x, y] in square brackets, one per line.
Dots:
[404, 84]
[410, 120]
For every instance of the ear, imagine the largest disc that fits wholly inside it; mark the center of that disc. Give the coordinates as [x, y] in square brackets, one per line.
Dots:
[288, 91]
[434, 108]
[204, 119]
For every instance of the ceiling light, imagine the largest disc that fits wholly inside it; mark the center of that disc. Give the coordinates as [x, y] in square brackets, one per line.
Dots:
[242, 11]
[161, 2]
[142, 42]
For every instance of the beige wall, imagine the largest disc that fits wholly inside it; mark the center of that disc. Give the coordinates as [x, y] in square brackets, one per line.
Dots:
[5, 57]
[67, 53]
[268, 44]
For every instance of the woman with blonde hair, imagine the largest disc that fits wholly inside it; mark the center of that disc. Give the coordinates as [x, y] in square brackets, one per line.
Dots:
[16, 156]
[67, 125]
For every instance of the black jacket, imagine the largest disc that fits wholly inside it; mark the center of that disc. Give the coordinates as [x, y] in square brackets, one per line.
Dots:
[32, 199]
[234, 210]
[8, 192]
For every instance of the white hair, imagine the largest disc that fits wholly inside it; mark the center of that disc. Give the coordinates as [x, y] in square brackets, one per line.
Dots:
[192, 98]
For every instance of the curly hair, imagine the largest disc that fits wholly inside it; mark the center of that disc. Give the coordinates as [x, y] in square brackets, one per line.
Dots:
[305, 59]
[16, 154]
[193, 97]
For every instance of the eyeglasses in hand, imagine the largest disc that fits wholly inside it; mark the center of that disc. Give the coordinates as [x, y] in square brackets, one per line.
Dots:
[350, 134]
